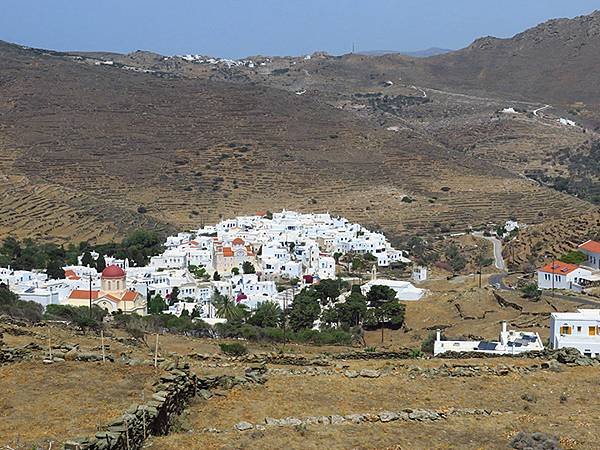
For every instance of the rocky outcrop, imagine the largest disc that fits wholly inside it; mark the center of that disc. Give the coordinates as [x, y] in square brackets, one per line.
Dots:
[535, 441]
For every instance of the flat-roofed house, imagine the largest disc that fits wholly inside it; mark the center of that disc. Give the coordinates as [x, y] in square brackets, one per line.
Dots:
[580, 330]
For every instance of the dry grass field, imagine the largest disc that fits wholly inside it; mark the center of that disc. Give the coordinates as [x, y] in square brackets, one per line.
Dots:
[40, 403]
[572, 419]
[63, 398]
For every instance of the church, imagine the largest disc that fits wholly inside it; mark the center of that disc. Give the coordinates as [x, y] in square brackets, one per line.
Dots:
[113, 294]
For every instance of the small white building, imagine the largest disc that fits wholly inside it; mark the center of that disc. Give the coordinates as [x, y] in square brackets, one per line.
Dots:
[419, 274]
[580, 330]
[404, 289]
[511, 342]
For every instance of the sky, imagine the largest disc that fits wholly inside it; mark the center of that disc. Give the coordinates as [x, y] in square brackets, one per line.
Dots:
[238, 28]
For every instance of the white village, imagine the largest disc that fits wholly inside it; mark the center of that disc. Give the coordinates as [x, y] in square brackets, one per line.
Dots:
[241, 258]
[247, 258]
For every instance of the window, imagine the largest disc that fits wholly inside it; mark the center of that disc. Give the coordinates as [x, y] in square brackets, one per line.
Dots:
[579, 329]
[592, 331]
[565, 329]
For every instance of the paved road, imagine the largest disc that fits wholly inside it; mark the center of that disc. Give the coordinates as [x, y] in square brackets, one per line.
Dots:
[497, 243]
[536, 111]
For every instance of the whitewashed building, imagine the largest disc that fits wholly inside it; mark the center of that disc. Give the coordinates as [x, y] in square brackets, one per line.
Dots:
[404, 289]
[510, 342]
[580, 330]
[560, 275]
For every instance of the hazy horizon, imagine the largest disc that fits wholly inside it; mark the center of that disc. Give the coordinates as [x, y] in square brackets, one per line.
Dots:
[234, 28]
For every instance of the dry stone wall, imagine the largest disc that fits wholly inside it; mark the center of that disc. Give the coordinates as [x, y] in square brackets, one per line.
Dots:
[156, 417]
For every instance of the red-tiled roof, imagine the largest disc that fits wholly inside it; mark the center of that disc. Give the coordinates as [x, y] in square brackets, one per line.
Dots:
[227, 251]
[129, 296]
[80, 294]
[591, 246]
[237, 241]
[559, 268]
[71, 275]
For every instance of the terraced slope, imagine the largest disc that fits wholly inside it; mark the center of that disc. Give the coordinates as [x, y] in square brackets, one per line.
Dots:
[86, 146]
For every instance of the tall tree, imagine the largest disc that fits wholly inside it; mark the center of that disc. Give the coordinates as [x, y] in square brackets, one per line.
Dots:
[384, 306]
[305, 310]
[352, 312]
[54, 269]
[100, 264]
[87, 260]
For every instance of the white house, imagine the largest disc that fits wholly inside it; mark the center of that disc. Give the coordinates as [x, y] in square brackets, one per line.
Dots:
[560, 275]
[591, 249]
[404, 289]
[580, 330]
[511, 342]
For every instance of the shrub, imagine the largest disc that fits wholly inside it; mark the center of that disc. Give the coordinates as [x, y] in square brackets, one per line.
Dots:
[427, 344]
[573, 257]
[234, 349]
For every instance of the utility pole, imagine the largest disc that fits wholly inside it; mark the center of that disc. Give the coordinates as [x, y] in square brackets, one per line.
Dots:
[553, 274]
[90, 296]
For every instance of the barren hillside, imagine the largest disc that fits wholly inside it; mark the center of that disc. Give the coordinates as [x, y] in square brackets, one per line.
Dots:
[91, 150]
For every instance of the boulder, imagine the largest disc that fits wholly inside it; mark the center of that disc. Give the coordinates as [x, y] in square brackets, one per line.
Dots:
[369, 373]
[337, 420]
[243, 426]
[351, 373]
[388, 416]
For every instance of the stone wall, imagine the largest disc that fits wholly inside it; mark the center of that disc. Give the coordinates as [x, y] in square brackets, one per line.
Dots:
[156, 417]
[176, 387]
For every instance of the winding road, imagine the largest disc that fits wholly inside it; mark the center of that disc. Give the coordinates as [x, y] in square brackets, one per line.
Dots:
[496, 280]
[535, 111]
[497, 243]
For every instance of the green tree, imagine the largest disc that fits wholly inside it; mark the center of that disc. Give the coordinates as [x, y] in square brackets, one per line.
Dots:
[330, 317]
[305, 310]
[199, 273]
[54, 269]
[157, 305]
[11, 248]
[379, 294]
[267, 314]
[456, 260]
[235, 271]
[216, 276]
[385, 309]
[328, 290]
[248, 267]
[87, 260]
[100, 264]
[195, 313]
[352, 312]
[226, 308]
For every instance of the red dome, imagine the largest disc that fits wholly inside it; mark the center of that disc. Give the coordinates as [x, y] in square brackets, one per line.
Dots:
[113, 272]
